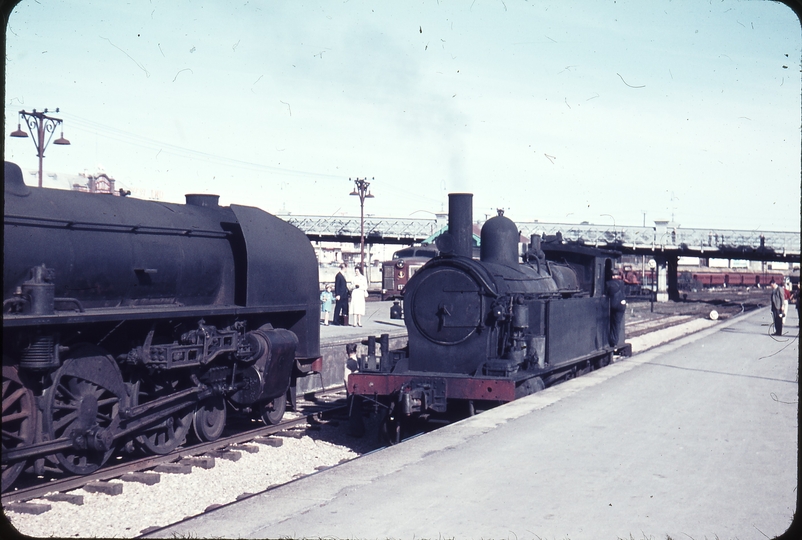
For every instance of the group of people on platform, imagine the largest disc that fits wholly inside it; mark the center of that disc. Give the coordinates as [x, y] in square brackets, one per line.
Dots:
[348, 303]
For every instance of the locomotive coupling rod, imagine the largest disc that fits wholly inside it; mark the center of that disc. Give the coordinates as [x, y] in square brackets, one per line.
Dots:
[135, 424]
[133, 412]
[36, 450]
[134, 419]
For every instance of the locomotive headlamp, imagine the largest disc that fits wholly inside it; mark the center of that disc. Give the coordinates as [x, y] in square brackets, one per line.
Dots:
[498, 312]
[400, 264]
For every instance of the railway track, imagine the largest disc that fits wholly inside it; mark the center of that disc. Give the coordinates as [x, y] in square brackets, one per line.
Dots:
[658, 321]
[319, 410]
[315, 413]
[637, 328]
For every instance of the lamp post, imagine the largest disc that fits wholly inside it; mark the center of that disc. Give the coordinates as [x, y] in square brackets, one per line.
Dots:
[615, 232]
[40, 125]
[361, 190]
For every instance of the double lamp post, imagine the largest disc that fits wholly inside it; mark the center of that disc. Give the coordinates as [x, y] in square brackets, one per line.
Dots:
[361, 190]
[42, 128]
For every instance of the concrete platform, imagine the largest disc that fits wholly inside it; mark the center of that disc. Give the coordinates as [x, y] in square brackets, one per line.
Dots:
[375, 321]
[333, 339]
[693, 439]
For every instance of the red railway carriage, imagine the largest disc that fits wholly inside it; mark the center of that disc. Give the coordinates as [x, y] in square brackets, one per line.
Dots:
[404, 264]
[730, 278]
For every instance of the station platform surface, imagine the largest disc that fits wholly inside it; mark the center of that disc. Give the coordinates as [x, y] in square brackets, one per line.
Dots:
[696, 439]
[375, 321]
[333, 340]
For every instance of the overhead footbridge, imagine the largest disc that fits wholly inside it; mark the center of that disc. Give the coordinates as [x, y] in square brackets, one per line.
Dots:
[664, 242]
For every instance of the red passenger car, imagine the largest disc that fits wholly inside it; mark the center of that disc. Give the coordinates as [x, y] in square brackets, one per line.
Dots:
[405, 262]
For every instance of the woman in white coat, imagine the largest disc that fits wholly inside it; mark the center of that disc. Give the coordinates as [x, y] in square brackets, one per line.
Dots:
[358, 296]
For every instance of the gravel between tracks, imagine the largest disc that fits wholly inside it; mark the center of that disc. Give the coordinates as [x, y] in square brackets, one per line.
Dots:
[178, 496]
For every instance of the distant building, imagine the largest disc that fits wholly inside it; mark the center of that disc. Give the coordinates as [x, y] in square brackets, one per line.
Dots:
[99, 182]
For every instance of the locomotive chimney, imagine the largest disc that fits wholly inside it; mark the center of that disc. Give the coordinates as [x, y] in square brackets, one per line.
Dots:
[209, 201]
[460, 222]
[12, 180]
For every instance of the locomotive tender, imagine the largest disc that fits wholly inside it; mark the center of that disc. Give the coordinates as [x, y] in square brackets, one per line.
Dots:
[128, 323]
[493, 329]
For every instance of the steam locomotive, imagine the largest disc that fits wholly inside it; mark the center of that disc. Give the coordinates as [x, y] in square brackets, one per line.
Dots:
[131, 324]
[492, 330]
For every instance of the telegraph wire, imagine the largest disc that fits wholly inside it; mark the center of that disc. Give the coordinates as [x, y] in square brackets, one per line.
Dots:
[90, 126]
[82, 124]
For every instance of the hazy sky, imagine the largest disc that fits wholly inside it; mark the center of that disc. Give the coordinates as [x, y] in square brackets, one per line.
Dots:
[558, 111]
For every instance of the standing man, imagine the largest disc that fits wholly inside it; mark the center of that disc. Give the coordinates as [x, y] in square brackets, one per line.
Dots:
[616, 291]
[340, 296]
[777, 301]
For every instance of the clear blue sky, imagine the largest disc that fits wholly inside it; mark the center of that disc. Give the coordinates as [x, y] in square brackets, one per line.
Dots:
[558, 111]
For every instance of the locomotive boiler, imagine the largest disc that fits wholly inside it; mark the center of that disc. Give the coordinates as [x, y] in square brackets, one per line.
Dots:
[131, 324]
[495, 329]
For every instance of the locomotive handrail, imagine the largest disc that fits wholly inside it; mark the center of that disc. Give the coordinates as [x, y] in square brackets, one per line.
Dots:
[140, 313]
[67, 300]
[112, 227]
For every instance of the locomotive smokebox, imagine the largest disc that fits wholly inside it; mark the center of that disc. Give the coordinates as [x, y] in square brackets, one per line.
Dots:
[460, 223]
[500, 239]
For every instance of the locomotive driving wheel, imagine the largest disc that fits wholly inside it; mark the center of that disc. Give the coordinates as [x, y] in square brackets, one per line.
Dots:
[19, 421]
[167, 435]
[210, 419]
[273, 411]
[83, 405]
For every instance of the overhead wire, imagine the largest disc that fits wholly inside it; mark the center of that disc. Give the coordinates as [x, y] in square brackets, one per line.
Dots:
[90, 126]
[117, 134]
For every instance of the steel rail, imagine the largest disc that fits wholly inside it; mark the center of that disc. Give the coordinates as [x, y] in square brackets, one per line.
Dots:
[148, 462]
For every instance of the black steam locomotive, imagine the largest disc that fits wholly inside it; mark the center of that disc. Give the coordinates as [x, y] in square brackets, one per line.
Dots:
[128, 323]
[496, 329]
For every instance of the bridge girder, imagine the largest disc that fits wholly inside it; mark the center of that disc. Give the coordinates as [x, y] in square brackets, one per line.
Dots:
[685, 242]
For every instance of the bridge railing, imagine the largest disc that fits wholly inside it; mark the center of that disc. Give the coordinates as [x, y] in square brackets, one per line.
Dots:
[376, 228]
[697, 239]
[386, 229]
